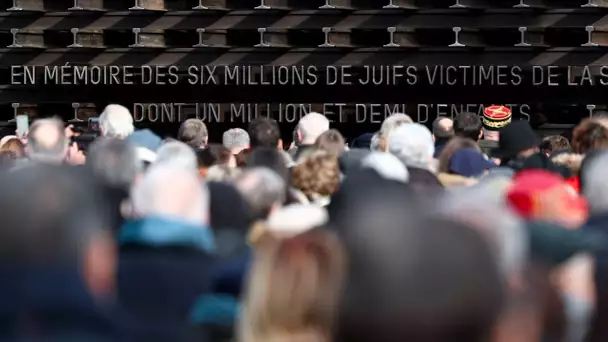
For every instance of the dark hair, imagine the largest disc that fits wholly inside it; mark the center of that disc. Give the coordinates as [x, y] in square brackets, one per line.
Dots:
[467, 125]
[264, 132]
[467, 312]
[193, 132]
[213, 154]
[270, 158]
[450, 148]
[554, 143]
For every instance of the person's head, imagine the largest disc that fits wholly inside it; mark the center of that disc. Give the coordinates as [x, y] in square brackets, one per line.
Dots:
[172, 191]
[317, 174]
[264, 132]
[390, 124]
[213, 154]
[310, 127]
[331, 141]
[269, 158]
[431, 279]
[193, 132]
[590, 134]
[263, 189]
[544, 196]
[500, 225]
[387, 166]
[54, 218]
[47, 141]
[443, 128]
[293, 288]
[554, 143]
[15, 146]
[594, 187]
[236, 140]
[450, 148]
[116, 122]
[176, 153]
[114, 162]
[468, 125]
[413, 145]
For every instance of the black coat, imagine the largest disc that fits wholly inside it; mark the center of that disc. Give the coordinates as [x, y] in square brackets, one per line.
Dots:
[52, 304]
[159, 281]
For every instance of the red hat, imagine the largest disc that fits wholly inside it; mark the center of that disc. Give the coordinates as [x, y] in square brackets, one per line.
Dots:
[496, 117]
[528, 186]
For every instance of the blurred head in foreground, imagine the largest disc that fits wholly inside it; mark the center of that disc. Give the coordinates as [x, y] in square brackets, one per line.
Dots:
[412, 277]
[54, 219]
[293, 286]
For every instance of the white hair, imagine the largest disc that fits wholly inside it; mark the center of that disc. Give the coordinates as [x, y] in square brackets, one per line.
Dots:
[176, 153]
[595, 187]
[392, 122]
[497, 222]
[375, 143]
[173, 192]
[235, 138]
[311, 126]
[116, 121]
[47, 141]
[387, 166]
[413, 145]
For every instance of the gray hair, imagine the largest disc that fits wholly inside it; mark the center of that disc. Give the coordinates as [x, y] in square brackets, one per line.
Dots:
[262, 188]
[235, 138]
[168, 190]
[392, 122]
[387, 166]
[47, 141]
[114, 161]
[595, 187]
[311, 126]
[193, 132]
[413, 145]
[443, 127]
[501, 226]
[116, 121]
[222, 173]
[176, 153]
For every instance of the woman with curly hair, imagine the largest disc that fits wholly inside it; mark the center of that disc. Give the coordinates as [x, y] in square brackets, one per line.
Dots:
[316, 176]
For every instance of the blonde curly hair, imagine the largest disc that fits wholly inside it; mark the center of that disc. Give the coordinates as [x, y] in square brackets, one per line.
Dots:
[317, 174]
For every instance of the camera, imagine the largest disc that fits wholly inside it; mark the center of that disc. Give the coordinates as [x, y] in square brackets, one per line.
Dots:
[85, 135]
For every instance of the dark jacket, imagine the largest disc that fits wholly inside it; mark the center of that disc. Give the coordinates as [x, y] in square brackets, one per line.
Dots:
[48, 304]
[598, 330]
[164, 267]
[298, 151]
[439, 146]
[424, 182]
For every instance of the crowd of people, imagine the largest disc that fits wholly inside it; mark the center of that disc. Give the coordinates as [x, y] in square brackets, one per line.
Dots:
[474, 230]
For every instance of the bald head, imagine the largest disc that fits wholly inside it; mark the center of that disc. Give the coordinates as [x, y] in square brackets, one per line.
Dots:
[443, 128]
[47, 141]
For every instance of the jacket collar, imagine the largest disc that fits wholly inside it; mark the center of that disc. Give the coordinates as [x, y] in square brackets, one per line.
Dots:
[164, 232]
